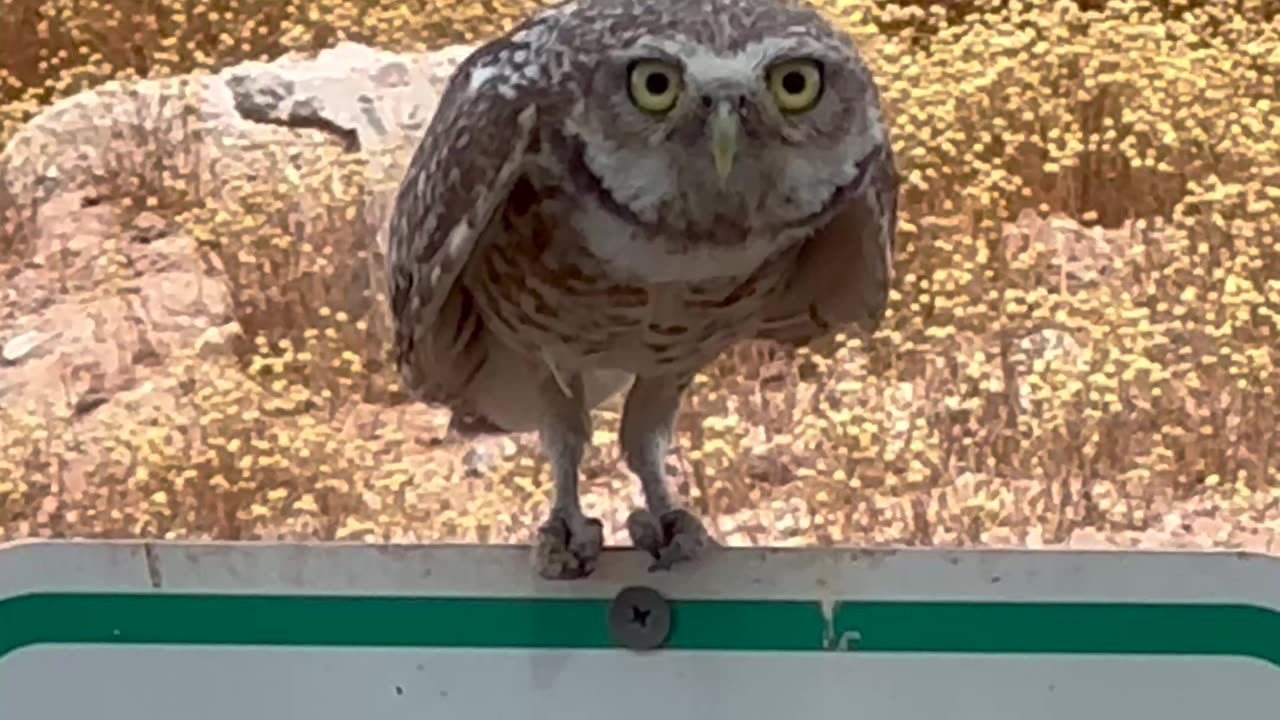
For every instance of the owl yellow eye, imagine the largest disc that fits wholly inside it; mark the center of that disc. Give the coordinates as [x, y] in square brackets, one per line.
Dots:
[795, 84]
[655, 85]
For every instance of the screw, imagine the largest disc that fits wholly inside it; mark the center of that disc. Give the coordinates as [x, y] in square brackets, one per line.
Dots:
[639, 618]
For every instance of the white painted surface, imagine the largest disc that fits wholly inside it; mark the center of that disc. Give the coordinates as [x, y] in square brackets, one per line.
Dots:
[504, 571]
[73, 683]
[139, 682]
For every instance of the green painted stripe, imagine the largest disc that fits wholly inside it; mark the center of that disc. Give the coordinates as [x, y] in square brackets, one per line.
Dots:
[1150, 628]
[987, 627]
[390, 622]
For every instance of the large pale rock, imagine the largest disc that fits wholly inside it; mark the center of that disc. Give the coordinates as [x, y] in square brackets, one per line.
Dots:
[94, 295]
[100, 303]
[366, 97]
[174, 137]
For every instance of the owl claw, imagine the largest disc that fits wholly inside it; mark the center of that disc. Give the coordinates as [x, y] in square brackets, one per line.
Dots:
[674, 538]
[568, 547]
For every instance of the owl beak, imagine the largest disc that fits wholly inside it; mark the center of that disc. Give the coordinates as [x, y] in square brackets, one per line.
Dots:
[724, 138]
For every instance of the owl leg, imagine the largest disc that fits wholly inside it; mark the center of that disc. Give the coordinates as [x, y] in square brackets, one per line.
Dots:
[568, 543]
[670, 533]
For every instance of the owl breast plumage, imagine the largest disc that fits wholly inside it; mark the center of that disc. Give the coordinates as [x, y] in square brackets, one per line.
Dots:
[565, 211]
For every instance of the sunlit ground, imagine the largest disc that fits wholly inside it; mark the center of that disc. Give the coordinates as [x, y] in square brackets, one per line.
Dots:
[1081, 346]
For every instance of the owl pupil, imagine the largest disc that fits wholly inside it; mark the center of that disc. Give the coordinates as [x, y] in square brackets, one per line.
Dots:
[793, 83]
[656, 83]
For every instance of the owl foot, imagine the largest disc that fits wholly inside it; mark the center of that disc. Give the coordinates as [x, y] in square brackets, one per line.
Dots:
[568, 547]
[677, 537]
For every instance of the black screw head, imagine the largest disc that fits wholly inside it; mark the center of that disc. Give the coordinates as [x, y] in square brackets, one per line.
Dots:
[639, 618]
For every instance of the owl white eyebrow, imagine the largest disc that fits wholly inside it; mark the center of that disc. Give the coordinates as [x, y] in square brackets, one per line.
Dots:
[709, 65]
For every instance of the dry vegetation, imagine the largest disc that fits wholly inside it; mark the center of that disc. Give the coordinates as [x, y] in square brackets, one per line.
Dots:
[1019, 389]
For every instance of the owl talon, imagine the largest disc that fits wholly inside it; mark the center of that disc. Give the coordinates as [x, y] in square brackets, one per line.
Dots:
[678, 536]
[568, 547]
[645, 531]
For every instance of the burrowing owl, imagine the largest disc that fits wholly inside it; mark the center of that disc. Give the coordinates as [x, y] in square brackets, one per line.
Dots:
[615, 192]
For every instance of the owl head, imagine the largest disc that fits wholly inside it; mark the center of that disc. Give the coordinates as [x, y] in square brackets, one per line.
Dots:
[717, 116]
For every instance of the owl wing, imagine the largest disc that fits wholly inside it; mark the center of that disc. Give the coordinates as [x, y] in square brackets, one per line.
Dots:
[843, 272]
[461, 173]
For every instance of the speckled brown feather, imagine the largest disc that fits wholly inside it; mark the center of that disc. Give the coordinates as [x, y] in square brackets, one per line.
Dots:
[540, 291]
[458, 177]
[515, 92]
[554, 238]
[843, 273]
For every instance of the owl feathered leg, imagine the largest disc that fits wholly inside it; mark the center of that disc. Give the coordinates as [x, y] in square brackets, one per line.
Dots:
[569, 542]
[670, 533]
